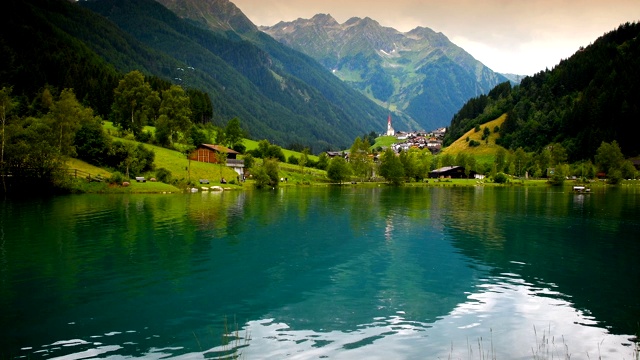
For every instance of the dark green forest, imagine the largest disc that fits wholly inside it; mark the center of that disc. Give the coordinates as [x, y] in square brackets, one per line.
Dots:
[590, 98]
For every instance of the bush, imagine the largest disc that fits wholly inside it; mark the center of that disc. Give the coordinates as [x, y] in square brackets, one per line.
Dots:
[116, 178]
[163, 175]
[474, 143]
[500, 178]
[486, 133]
[145, 137]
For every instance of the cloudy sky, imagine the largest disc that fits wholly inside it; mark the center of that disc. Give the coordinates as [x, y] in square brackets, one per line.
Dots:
[509, 36]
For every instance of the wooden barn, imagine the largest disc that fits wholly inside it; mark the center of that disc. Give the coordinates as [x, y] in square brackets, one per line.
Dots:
[211, 153]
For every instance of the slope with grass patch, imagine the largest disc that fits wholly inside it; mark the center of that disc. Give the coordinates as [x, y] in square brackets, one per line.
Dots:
[486, 149]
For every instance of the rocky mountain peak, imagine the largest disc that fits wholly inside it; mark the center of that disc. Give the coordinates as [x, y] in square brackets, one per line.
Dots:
[416, 72]
[324, 20]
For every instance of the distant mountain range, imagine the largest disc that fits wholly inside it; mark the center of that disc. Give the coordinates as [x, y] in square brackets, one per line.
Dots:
[419, 73]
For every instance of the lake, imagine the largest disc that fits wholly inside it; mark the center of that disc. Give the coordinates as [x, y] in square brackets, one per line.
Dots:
[337, 273]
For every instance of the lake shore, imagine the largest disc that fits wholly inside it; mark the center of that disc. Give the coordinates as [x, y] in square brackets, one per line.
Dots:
[162, 188]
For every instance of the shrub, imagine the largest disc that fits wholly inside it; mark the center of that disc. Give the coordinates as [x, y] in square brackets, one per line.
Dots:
[116, 178]
[486, 133]
[500, 178]
[163, 175]
[474, 143]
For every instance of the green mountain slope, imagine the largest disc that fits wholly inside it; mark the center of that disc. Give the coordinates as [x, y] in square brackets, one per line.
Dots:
[420, 74]
[69, 45]
[593, 96]
[306, 106]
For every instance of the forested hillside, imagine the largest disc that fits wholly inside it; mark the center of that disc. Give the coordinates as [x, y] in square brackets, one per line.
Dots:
[63, 45]
[285, 99]
[593, 96]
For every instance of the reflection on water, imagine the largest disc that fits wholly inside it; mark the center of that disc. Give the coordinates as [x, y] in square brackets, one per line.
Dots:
[314, 273]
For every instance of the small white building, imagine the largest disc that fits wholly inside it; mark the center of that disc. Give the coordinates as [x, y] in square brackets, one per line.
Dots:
[390, 131]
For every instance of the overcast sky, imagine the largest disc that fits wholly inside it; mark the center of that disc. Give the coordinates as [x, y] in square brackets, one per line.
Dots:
[509, 36]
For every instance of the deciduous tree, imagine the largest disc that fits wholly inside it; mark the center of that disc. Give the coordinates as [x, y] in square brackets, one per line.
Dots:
[391, 167]
[174, 112]
[233, 133]
[132, 102]
[338, 169]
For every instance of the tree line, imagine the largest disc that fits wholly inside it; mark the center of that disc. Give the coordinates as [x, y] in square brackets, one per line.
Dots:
[415, 164]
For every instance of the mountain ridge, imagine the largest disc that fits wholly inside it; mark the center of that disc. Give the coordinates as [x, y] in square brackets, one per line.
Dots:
[389, 66]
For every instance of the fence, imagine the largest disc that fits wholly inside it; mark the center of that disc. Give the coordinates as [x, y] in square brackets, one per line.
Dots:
[83, 174]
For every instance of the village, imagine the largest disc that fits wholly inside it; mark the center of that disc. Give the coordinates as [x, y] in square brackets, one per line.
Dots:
[416, 139]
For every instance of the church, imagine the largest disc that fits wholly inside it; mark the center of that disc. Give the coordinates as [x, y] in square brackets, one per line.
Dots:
[390, 131]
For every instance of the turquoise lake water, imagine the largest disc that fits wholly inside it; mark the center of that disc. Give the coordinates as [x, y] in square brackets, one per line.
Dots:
[310, 273]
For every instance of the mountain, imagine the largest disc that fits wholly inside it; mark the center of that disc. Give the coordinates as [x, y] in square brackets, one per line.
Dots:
[591, 97]
[89, 45]
[223, 17]
[419, 73]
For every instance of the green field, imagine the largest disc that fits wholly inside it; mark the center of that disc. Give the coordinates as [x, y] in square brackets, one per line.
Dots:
[252, 145]
[384, 142]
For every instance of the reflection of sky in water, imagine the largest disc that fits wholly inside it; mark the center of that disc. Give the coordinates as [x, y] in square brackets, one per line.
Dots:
[506, 317]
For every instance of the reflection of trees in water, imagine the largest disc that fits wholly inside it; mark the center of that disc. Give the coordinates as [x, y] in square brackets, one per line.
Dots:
[583, 243]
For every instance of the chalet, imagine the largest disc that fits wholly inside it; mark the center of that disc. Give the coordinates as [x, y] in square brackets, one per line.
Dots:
[215, 154]
[454, 172]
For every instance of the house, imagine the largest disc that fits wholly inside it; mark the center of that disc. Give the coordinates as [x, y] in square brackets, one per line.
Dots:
[332, 154]
[454, 172]
[215, 154]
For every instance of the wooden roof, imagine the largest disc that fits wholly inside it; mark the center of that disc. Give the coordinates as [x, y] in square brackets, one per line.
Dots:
[218, 148]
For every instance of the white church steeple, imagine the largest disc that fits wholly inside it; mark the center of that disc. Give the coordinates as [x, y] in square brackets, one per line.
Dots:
[390, 131]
